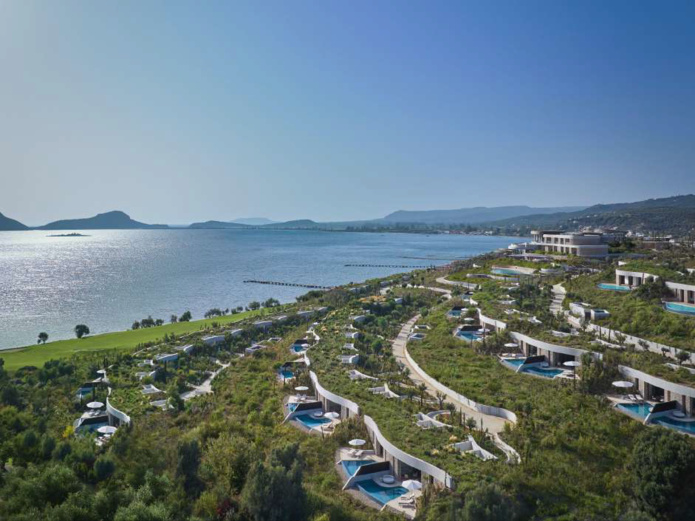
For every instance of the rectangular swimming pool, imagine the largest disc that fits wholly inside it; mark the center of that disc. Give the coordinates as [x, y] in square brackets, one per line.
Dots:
[613, 287]
[540, 371]
[640, 410]
[673, 423]
[468, 335]
[516, 362]
[351, 465]
[683, 309]
[380, 493]
[309, 421]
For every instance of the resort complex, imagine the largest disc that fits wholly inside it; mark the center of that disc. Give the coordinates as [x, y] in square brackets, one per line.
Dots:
[524, 382]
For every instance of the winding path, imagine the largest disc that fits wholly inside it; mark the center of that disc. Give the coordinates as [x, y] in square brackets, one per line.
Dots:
[558, 298]
[492, 423]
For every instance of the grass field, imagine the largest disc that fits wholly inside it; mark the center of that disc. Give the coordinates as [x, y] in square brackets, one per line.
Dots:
[37, 355]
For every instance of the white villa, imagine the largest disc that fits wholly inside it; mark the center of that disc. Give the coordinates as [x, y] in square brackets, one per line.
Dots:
[579, 244]
[684, 293]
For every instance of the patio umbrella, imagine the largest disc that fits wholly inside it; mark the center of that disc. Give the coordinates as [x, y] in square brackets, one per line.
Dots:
[331, 415]
[469, 319]
[622, 384]
[572, 364]
[107, 429]
[301, 388]
[412, 484]
[95, 405]
[511, 345]
[357, 442]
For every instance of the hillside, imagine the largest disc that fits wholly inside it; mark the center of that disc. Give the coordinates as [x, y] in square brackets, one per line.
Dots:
[115, 220]
[216, 225]
[7, 224]
[672, 215]
[471, 215]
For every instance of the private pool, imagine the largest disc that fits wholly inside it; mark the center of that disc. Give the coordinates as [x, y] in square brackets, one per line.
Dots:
[379, 493]
[673, 423]
[682, 309]
[613, 287]
[309, 421]
[516, 362]
[639, 410]
[469, 335]
[542, 371]
[350, 465]
[507, 271]
[298, 348]
[454, 313]
[286, 374]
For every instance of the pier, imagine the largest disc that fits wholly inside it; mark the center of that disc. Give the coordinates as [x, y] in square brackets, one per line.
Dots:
[292, 284]
[407, 266]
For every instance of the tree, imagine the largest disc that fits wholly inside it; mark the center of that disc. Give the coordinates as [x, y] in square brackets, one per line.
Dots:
[488, 502]
[81, 330]
[662, 466]
[682, 356]
[173, 319]
[159, 322]
[185, 317]
[254, 305]
[136, 325]
[43, 337]
[187, 467]
[422, 388]
[273, 491]
[440, 398]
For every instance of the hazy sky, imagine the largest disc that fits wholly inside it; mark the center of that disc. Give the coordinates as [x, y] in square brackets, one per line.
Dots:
[182, 111]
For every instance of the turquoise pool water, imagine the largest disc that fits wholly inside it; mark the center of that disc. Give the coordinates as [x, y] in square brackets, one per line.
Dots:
[351, 466]
[309, 421]
[540, 371]
[286, 374]
[92, 427]
[636, 409]
[683, 309]
[291, 407]
[454, 313]
[613, 287]
[380, 493]
[468, 335]
[673, 423]
[298, 348]
[507, 271]
[516, 362]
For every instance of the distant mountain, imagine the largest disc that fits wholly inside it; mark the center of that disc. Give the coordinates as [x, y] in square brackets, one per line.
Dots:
[7, 224]
[300, 224]
[666, 215]
[217, 225]
[104, 221]
[253, 221]
[475, 215]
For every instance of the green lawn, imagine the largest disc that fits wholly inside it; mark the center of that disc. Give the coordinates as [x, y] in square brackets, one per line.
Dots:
[37, 355]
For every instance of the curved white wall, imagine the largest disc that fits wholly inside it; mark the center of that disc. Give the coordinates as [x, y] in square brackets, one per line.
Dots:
[497, 324]
[553, 348]
[332, 397]
[429, 469]
[112, 411]
[485, 409]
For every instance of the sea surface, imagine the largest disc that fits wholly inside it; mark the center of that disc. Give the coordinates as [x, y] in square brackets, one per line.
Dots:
[113, 277]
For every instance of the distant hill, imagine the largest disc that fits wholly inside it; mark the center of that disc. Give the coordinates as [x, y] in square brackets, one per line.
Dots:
[7, 224]
[115, 220]
[674, 215]
[217, 225]
[300, 224]
[253, 221]
[475, 215]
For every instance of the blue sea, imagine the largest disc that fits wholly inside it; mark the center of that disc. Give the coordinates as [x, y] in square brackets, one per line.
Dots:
[114, 277]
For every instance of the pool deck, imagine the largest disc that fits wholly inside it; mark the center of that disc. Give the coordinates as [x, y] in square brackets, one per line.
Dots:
[393, 505]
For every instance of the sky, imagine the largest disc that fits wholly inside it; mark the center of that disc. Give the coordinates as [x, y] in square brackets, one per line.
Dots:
[176, 112]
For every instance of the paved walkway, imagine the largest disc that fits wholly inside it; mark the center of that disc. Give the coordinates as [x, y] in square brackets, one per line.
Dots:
[492, 423]
[558, 298]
